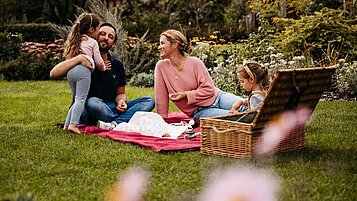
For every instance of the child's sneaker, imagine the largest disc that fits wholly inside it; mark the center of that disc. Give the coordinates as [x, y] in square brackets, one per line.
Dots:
[106, 125]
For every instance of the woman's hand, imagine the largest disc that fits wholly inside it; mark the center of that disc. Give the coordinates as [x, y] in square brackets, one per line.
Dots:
[122, 106]
[177, 96]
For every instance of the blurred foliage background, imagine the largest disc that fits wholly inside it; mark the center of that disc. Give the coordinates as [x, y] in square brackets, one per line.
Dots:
[234, 19]
[224, 33]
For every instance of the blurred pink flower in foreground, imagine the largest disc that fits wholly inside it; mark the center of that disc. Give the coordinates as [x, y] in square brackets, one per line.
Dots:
[278, 129]
[241, 184]
[131, 186]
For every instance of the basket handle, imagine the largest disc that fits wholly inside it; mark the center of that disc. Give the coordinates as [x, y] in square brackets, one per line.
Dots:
[218, 131]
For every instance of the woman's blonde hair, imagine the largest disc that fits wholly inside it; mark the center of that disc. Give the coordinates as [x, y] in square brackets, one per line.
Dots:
[174, 36]
[82, 25]
[253, 69]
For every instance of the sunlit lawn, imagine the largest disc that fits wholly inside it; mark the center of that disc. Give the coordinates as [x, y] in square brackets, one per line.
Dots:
[39, 158]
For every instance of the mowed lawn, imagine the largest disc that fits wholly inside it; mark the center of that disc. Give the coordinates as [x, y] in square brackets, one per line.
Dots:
[37, 157]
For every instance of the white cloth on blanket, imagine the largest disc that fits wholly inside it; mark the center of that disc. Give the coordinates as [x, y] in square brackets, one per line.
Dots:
[151, 124]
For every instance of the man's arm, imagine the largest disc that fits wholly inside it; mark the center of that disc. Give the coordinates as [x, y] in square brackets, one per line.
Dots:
[120, 99]
[63, 67]
[120, 94]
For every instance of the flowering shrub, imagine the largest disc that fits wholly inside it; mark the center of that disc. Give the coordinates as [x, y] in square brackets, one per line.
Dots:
[347, 78]
[222, 61]
[34, 61]
[213, 39]
[41, 49]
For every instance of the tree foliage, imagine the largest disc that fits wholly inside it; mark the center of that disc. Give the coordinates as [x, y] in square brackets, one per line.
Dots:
[326, 34]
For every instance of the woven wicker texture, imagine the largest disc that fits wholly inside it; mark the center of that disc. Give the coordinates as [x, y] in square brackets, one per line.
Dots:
[224, 136]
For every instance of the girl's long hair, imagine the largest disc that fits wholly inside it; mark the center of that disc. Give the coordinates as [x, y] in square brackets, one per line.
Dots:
[82, 25]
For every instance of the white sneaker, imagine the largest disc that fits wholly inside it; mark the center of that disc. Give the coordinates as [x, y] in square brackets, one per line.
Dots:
[105, 125]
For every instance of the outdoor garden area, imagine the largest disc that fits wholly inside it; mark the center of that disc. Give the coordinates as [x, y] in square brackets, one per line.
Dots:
[40, 161]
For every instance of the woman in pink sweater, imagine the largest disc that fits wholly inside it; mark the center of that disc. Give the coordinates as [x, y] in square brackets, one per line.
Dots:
[185, 80]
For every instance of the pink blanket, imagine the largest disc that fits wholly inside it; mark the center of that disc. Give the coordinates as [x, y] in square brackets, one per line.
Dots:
[157, 144]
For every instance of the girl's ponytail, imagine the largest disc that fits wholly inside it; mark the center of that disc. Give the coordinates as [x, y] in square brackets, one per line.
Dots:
[84, 22]
[266, 79]
[72, 44]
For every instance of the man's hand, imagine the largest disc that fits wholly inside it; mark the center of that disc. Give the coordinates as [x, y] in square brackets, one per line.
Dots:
[177, 96]
[84, 61]
[121, 106]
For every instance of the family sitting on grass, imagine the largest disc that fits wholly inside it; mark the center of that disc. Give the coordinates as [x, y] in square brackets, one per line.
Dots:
[98, 82]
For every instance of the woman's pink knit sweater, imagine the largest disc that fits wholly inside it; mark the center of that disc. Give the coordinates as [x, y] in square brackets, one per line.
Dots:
[193, 79]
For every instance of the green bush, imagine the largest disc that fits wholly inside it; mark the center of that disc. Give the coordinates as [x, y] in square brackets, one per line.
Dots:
[28, 67]
[140, 57]
[142, 80]
[31, 32]
[221, 62]
[10, 45]
[325, 37]
[347, 79]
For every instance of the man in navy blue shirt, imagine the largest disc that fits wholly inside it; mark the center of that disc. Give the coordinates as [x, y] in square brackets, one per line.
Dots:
[107, 104]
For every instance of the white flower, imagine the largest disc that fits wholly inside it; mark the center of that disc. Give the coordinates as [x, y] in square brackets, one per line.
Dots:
[280, 55]
[291, 63]
[270, 48]
[296, 58]
[282, 61]
[273, 56]
[215, 69]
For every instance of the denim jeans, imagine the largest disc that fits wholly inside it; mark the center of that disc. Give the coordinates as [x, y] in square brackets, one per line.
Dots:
[97, 109]
[221, 106]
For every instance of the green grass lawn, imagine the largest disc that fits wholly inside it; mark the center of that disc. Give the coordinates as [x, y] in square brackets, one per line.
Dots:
[37, 157]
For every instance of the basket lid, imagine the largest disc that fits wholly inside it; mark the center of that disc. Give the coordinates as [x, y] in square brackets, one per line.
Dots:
[293, 88]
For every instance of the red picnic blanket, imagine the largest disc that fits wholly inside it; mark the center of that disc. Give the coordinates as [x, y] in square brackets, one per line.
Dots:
[155, 143]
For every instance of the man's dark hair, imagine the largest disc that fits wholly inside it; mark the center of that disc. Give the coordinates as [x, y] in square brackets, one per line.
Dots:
[110, 25]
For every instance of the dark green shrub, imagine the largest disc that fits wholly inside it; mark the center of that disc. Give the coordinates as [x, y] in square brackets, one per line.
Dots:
[325, 37]
[10, 45]
[31, 32]
[28, 67]
[139, 57]
[142, 80]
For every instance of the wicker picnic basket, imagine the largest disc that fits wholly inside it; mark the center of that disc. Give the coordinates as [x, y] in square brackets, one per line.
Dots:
[226, 136]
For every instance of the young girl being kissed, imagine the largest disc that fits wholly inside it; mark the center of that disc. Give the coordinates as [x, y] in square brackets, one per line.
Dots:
[82, 40]
[255, 79]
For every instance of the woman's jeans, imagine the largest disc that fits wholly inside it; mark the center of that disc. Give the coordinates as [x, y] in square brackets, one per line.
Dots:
[221, 106]
[97, 109]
